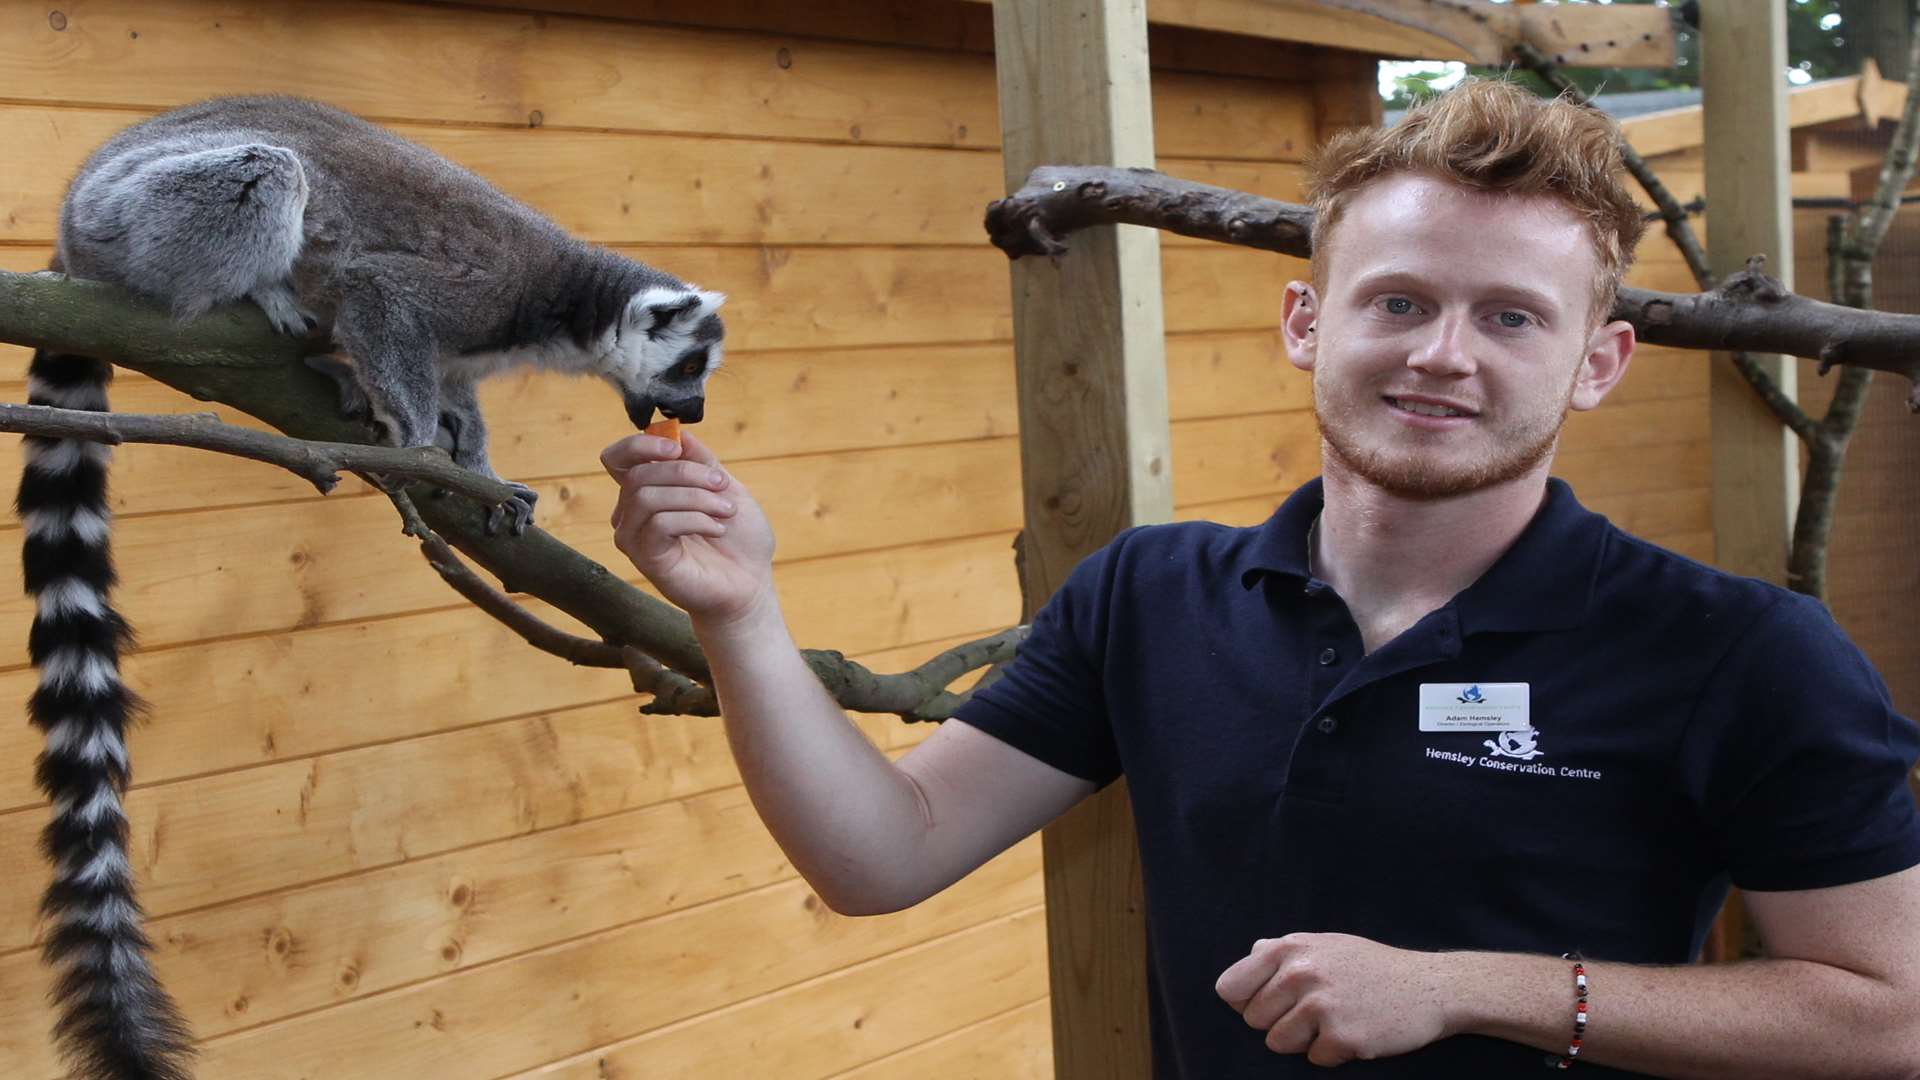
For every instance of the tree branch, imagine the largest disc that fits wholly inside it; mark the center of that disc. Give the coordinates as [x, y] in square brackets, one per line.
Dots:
[318, 463]
[234, 356]
[1747, 312]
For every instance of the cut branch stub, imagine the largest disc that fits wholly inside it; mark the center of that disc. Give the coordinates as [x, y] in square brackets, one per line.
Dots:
[1059, 200]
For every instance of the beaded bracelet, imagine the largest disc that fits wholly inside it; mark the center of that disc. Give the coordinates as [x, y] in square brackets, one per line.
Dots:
[1579, 1012]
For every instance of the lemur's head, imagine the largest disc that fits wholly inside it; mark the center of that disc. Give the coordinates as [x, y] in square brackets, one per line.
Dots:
[665, 345]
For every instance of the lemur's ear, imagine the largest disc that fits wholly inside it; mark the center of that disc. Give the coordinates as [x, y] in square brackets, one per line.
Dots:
[658, 312]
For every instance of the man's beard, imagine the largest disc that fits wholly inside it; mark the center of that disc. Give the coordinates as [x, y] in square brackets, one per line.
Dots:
[1419, 476]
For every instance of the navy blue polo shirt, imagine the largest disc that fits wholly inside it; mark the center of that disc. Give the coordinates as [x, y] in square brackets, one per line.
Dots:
[1685, 727]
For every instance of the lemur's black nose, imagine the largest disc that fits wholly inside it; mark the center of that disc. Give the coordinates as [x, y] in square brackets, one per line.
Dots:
[640, 411]
[686, 410]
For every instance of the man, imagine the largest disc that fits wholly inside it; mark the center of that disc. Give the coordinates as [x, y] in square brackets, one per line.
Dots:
[1432, 726]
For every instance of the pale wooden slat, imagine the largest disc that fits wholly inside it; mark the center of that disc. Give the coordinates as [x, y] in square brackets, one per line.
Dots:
[1645, 423]
[252, 569]
[260, 960]
[1661, 372]
[762, 405]
[1646, 468]
[963, 26]
[332, 687]
[1016, 1045]
[1697, 546]
[813, 298]
[615, 188]
[217, 838]
[503, 67]
[326, 561]
[853, 1015]
[1658, 512]
[250, 701]
[563, 1000]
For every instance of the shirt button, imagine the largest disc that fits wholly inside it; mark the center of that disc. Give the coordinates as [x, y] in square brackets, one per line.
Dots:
[1328, 656]
[1328, 725]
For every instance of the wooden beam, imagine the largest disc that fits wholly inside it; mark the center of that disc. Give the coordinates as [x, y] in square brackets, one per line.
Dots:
[1756, 459]
[1672, 130]
[1756, 477]
[1584, 36]
[1090, 354]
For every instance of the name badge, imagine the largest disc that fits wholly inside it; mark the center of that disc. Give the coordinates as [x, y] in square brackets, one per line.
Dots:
[1500, 706]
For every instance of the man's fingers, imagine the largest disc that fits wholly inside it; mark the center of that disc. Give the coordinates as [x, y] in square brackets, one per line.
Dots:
[1245, 978]
[649, 538]
[658, 498]
[636, 450]
[1293, 1033]
[1271, 1004]
[1327, 1051]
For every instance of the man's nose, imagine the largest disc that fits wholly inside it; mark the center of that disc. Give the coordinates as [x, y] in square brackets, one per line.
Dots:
[1446, 349]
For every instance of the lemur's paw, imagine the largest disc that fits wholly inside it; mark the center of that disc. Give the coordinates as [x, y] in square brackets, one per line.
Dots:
[516, 513]
[284, 311]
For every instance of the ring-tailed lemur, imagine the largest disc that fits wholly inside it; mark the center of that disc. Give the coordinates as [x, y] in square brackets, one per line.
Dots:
[422, 274]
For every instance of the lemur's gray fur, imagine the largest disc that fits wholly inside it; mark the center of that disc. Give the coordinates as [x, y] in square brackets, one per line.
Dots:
[424, 277]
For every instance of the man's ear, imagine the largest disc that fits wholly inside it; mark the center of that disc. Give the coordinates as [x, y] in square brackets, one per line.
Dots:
[1299, 314]
[1609, 350]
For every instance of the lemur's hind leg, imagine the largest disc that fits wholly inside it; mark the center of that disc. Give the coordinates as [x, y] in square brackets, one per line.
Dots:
[464, 435]
[393, 365]
[194, 226]
[353, 400]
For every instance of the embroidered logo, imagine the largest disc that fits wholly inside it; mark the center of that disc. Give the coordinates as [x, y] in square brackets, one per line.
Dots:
[1522, 744]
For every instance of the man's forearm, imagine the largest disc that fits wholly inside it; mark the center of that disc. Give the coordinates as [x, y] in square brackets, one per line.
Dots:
[1772, 1018]
[841, 811]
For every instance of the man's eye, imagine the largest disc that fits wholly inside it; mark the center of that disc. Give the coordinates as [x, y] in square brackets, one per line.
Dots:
[1400, 305]
[1514, 320]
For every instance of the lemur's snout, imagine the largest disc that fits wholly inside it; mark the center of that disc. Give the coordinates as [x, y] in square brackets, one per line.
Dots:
[686, 410]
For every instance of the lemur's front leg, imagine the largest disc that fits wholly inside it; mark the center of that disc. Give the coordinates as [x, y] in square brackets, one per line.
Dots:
[464, 435]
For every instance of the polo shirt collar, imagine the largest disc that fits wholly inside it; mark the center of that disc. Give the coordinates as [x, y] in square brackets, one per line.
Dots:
[1545, 581]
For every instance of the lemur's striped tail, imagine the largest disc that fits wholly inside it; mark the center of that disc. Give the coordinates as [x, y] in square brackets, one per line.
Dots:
[115, 1022]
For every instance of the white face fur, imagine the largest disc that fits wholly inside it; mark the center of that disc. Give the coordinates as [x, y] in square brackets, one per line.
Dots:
[664, 349]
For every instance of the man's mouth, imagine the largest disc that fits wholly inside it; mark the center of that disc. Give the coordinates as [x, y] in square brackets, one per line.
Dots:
[1426, 408]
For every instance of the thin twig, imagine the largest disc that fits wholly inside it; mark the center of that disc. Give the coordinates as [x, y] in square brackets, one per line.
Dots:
[649, 676]
[318, 463]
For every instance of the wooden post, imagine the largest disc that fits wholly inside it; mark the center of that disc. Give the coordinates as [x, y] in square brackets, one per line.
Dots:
[1756, 459]
[1089, 342]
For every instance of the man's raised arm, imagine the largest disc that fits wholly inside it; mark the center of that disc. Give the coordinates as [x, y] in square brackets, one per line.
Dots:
[868, 834]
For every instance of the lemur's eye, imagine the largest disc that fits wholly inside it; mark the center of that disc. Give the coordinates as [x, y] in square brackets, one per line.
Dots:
[692, 366]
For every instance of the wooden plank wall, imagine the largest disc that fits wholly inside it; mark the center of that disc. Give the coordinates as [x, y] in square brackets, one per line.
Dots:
[379, 836]
[1873, 582]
